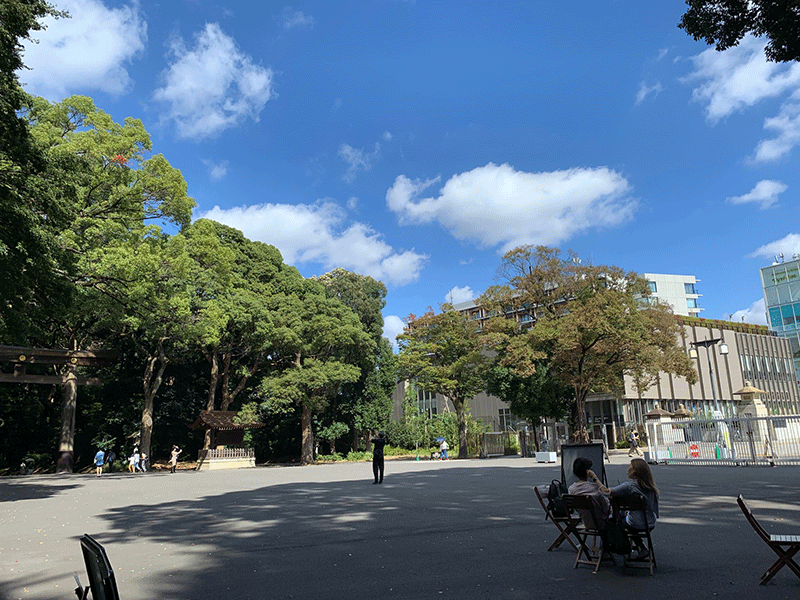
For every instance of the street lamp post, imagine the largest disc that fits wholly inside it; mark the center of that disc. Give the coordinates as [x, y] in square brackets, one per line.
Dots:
[723, 349]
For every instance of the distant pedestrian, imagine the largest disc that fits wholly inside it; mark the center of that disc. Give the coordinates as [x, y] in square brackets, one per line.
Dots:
[137, 461]
[443, 450]
[543, 443]
[132, 463]
[99, 459]
[143, 462]
[633, 440]
[377, 454]
[110, 458]
[173, 458]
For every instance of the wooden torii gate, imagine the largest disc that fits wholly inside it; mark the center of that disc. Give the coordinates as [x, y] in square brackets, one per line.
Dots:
[21, 357]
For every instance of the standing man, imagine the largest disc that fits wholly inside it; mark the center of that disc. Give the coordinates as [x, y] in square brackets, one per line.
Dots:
[173, 458]
[443, 450]
[99, 459]
[377, 454]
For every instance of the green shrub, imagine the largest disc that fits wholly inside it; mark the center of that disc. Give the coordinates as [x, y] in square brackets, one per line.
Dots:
[335, 457]
[357, 456]
[511, 445]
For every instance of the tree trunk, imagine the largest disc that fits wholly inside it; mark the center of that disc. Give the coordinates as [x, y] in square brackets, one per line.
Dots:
[226, 379]
[463, 451]
[66, 459]
[581, 432]
[213, 359]
[151, 382]
[228, 398]
[307, 453]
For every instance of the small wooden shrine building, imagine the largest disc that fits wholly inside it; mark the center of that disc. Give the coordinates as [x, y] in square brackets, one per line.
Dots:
[227, 449]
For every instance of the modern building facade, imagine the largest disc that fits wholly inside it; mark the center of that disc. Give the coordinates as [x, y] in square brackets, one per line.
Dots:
[679, 291]
[781, 285]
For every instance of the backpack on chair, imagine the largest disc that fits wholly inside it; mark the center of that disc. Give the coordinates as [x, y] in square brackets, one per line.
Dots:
[555, 503]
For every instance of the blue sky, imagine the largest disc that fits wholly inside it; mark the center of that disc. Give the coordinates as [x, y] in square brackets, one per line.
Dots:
[417, 141]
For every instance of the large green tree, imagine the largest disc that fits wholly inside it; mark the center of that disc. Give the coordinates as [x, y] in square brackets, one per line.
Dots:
[315, 338]
[30, 217]
[365, 403]
[444, 353]
[725, 22]
[593, 324]
[118, 196]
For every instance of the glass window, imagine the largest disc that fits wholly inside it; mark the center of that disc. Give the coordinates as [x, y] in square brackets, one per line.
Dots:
[788, 314]
[771, 294]
[794, 290]
[691, 303]
[780, 275]
[784, 296]
[652, 285]
[775, 317]
[792, 273]
[689, 288]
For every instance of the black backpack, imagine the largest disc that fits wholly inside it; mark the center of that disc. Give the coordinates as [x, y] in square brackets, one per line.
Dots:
[555, 503]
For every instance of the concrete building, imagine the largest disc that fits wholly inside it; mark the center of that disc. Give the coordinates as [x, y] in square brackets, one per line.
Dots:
[679, 291]
[781, 285]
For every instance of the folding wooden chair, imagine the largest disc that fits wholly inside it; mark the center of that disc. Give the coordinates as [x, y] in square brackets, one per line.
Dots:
[785, 546]
[566, 525]
[635, 503]
[584, 503]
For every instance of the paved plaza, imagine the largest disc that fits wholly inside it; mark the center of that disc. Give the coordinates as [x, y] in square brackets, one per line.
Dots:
[458, 529]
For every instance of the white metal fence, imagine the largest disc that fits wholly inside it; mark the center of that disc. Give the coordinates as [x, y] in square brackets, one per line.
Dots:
[740, 441]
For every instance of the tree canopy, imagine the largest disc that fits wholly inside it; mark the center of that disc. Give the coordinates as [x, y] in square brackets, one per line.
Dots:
[444, 353]
[724, 23]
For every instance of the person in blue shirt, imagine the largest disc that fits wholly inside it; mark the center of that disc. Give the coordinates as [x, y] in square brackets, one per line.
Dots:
[99, 459]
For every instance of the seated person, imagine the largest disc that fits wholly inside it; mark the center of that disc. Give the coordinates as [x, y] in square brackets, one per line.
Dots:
[584, 487]
[641, 483]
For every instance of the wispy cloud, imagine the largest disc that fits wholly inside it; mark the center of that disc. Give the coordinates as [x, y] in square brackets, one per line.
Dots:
[788, 246]
[645, 90]
[317, 233]
[212, 85]
[755, 314]
[392, 327]
[88, 51]
[787, 126]
[496, 205]
[458, 294]
[739, 78]
[357, 160]
[216, 171]
[291, 18]
[765, 193]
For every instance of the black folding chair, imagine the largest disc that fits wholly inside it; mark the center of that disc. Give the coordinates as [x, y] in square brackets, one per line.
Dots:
[586, 556]
[102, 583]
[636, 503]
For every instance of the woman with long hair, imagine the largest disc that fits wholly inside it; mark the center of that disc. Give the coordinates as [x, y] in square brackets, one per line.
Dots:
[641, 483]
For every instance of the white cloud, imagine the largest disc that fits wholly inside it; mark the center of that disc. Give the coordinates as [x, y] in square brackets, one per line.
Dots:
[458, 294]
[88, 51]
[392, 327]
[212, 86]
[357, 160]
[788, 246]
[787, 126]
[645, 90]
[352, 202]
[387, 136]
[765, 193]
[314, 233]
[738, 78]
[755, 314]
[497, 205]
[216, 171]
[662, 53]
[296, 18]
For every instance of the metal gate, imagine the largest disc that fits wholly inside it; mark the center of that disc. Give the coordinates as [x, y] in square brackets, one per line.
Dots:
[740, 441]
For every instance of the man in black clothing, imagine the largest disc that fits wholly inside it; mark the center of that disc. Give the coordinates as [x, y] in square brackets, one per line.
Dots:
[377, 454]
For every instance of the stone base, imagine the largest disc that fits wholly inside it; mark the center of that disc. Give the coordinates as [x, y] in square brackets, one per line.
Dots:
[549, 457]
[212, 464]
